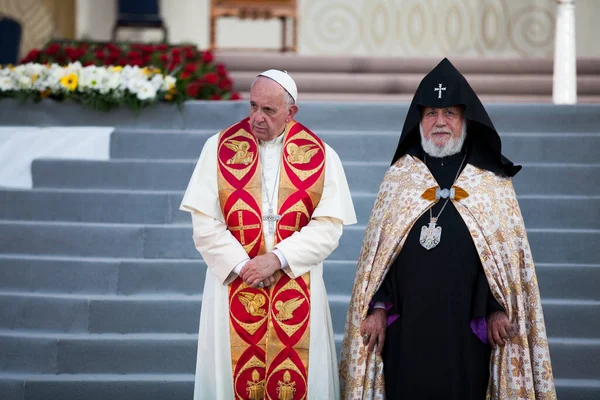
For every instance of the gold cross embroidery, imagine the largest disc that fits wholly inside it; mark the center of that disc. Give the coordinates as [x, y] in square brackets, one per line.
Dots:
[292, 228]
[241, 228]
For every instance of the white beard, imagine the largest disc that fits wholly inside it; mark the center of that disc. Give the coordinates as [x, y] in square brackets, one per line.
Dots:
[453, 146]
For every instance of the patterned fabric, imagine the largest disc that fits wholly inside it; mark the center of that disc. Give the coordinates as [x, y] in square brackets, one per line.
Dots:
[519, 370]
[269, 327]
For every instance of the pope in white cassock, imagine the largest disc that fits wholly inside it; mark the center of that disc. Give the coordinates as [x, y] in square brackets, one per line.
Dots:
[268, 201]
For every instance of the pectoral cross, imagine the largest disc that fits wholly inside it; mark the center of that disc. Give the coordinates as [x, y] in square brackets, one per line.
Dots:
[271, 218]
[439, 90]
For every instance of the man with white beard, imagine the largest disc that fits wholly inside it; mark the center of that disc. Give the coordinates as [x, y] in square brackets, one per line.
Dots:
[445, 303]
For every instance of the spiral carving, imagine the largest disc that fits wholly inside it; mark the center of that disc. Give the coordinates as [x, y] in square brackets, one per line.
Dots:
[532, 31]
[335, 27]
[430, 27]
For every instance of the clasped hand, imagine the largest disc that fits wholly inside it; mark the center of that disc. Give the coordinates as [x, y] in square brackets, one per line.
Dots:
[261, 269]
[498, 329]
[372, 329]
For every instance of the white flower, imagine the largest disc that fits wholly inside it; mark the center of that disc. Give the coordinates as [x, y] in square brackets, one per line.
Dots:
[169, 83]
[6, 84]
[91, 78]
[134, 85]
[146, 91]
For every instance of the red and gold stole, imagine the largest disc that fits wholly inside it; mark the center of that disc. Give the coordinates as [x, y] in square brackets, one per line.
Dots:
[269, 327]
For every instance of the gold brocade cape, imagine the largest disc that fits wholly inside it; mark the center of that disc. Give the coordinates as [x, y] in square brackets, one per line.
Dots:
[488, 205]
[269, 327]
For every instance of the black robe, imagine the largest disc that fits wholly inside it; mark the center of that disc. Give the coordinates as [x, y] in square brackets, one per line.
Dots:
[430, 351]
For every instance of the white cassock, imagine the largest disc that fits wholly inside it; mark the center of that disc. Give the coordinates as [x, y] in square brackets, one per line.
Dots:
[304, 252]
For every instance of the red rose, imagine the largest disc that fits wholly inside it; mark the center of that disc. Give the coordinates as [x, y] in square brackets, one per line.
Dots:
[71, 53]
[207, 57]
[221, 70]
[147, 60]
[172, 66]
[113, 48]
[193, 90]
[115, 53]
[189, 54]
[88, 63]
[53, 49]
[215, 97]
[236, 96]
[108, 61]
[33, 55]
[225, 84]
[211, 78]
[148, 48]
[164, 58]
[122, 62]
[134, 54]
[190, 68]
[176, 51]
[185, 74]
[136, 61]
[162, 47]
[99, 54]
[176, 59]
[61, 60]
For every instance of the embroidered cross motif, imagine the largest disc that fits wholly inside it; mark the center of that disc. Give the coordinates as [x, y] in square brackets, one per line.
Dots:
[439, 89]
[295, 228]
[241, 227]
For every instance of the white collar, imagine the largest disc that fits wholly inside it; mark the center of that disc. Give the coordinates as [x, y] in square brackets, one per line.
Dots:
[278, 141]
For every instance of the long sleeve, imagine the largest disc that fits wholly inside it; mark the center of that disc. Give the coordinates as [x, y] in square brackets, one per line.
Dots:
[311, 245]
[219, 249]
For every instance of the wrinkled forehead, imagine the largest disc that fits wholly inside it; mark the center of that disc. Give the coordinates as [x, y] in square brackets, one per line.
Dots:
[456, 107]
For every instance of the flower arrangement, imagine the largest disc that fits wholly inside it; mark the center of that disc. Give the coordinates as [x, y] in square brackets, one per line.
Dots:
[97, 87]
[106, 75]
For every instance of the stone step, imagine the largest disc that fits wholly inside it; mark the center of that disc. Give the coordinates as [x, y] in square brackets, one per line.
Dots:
[96, 387]
[98, 354]
[318, 115]
[176, 354]
[76, 275]
[407, 83]
[362, 176]
[138, 207]
[371, 146]
[170, 386]
[486, 99]
[180, 314]
[240, 60]
[570, 246]
[110, 206]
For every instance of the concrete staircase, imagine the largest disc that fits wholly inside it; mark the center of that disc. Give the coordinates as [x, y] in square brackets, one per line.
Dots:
[100, 285]
[349, 78]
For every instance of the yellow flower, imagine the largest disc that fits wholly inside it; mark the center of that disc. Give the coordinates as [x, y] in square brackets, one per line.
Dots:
[69, 81]
[116, 68]
[146, 71]
[34, 78]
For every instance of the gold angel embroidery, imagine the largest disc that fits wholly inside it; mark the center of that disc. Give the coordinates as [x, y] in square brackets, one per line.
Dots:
[302, 154]
[242, 155]
[253, 303]
[286, 309]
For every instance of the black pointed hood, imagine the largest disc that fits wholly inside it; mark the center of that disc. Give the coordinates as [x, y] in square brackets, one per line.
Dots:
[445, 86]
